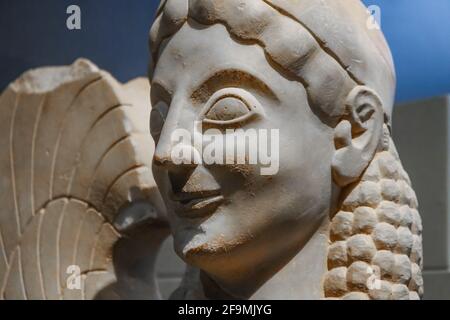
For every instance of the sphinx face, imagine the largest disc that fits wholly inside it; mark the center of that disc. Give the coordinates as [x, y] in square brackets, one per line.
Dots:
[226, 216]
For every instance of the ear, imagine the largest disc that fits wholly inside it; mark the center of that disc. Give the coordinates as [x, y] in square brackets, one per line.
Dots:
[358, 135]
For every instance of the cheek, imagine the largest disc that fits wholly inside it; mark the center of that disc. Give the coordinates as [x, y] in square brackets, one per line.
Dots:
[303, 182]
[305, 173]
[306, 143]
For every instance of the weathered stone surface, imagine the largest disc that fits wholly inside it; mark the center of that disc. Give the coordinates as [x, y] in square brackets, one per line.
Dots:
[390, 190]
[402, 269]
[400, 292]
[361, 247]
[416, 282]
[405, 240]
[365, 220]
[357, 276]
[77, 150]
[386, 261]
[337, 255]
[388, 212]
[336, 282]
[381, 290]
[356, 296]
[342, 225]
[385, 236]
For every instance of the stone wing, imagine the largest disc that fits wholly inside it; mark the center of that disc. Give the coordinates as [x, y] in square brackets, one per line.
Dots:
[75, 149]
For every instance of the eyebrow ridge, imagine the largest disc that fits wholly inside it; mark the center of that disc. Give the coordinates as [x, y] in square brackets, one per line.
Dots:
[230, 78]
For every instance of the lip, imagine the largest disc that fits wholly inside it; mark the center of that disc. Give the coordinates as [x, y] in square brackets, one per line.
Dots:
[197, 205]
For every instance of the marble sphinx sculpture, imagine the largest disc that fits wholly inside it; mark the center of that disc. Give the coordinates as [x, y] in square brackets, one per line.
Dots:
[84, 184]
[339, 219]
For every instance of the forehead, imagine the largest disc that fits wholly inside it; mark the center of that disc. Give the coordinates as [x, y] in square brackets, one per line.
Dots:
[196, 52]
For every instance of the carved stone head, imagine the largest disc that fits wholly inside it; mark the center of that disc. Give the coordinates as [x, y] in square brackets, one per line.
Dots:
[315, 77]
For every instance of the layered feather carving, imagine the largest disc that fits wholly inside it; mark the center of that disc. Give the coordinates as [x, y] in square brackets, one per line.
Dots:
[75, 148]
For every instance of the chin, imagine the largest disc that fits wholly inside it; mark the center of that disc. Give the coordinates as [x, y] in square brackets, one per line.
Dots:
[205, 250]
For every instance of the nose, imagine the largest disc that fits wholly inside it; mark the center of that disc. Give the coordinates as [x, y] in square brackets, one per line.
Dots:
[177, 155]
[176, 150]
[175, 146]
[177, 169]
[163, 149]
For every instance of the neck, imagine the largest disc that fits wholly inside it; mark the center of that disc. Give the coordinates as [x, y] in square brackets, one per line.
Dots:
[299, 279]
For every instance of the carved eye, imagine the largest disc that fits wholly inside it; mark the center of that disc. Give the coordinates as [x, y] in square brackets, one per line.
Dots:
[157, 119]
[227, 109]
[230, 106]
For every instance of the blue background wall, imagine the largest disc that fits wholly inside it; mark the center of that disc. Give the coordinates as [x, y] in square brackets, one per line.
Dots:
[114, 35]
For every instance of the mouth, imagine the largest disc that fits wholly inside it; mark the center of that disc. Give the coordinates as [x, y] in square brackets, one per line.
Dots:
[198, 204]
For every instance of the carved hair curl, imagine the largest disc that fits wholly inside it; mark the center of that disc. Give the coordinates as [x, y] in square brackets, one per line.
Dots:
[376, 236]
